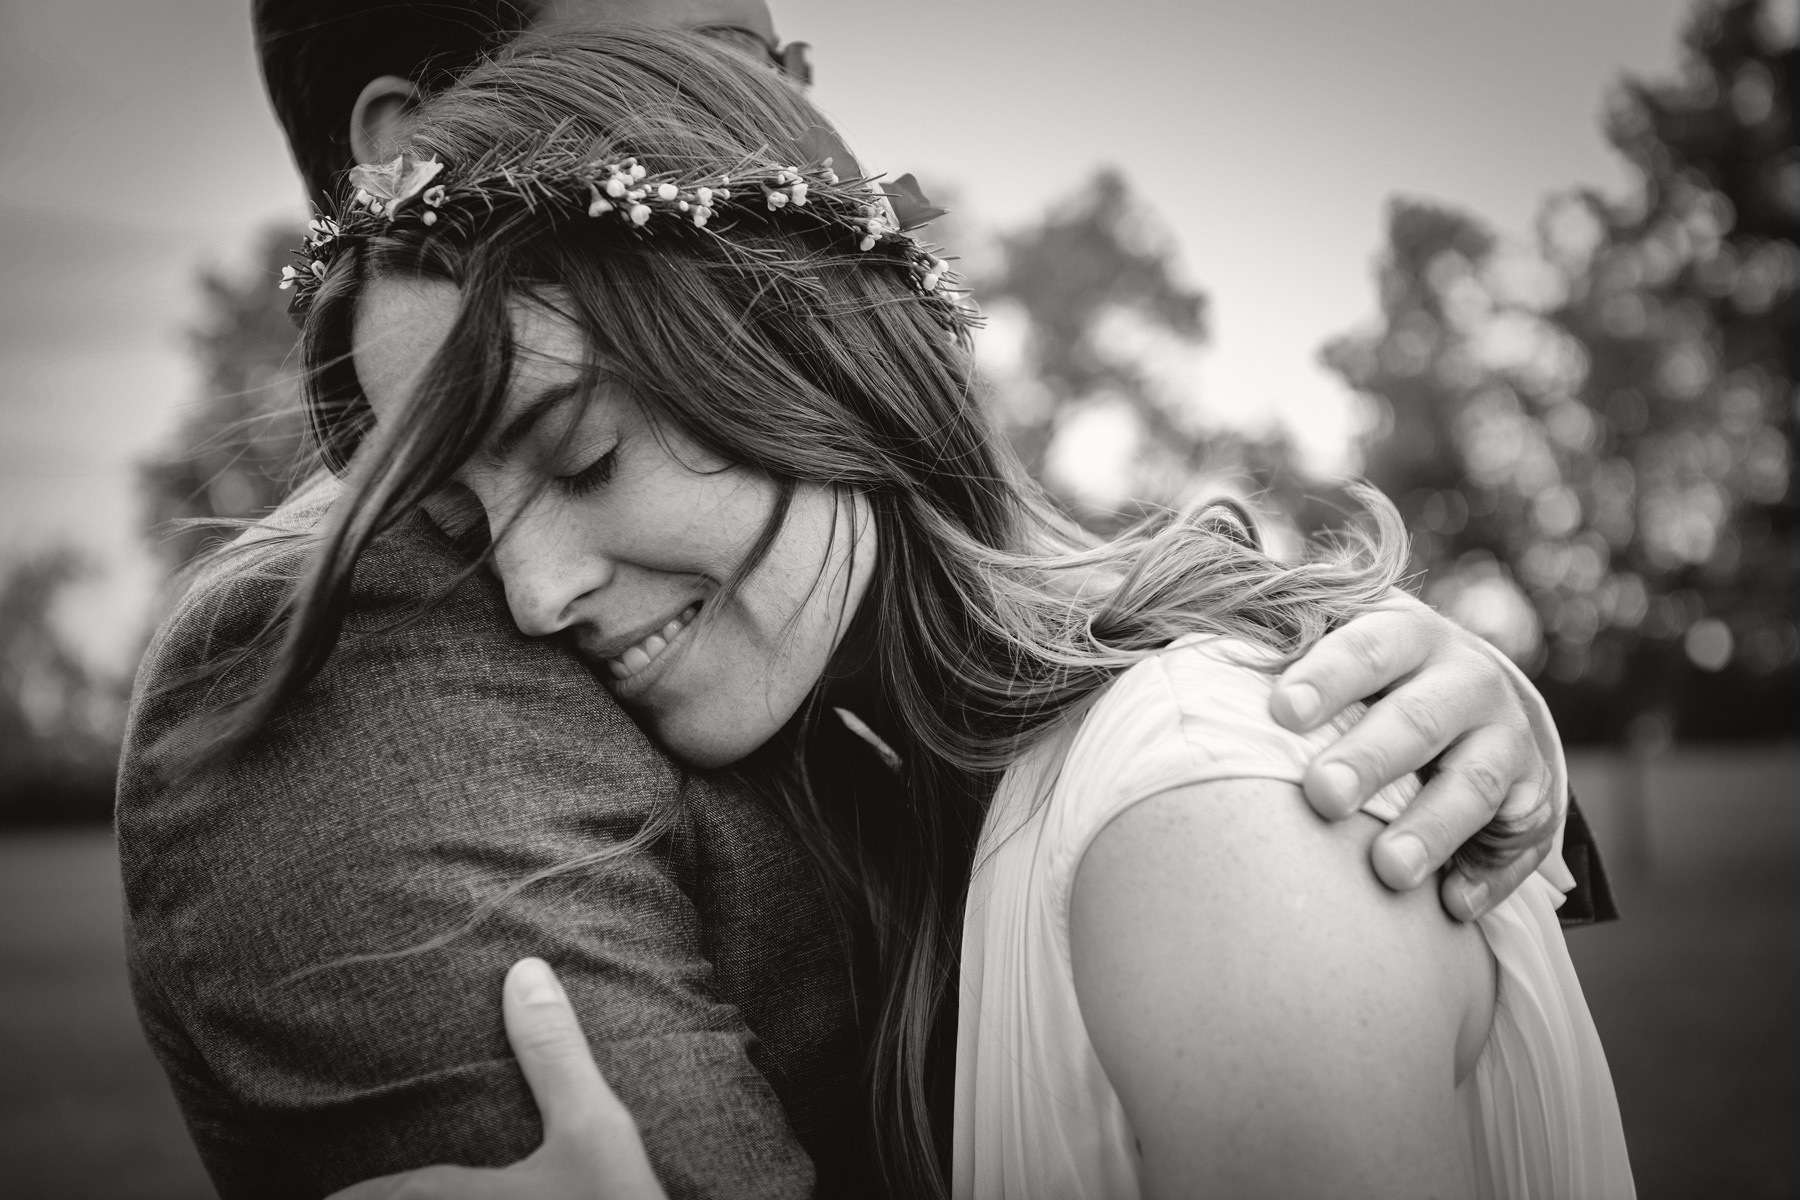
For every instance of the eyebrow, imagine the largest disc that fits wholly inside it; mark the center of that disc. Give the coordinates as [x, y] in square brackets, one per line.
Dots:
[520, 426]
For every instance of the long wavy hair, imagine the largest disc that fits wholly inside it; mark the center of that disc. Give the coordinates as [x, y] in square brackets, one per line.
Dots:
[991, 619]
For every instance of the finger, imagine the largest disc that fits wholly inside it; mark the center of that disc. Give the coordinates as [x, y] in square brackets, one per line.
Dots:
[428, 1183]
[1353, 662]
[1402, 732]
[552, 1050]
[1468, 892]
[1464, 795]
[588, 1134]
[383, 1188]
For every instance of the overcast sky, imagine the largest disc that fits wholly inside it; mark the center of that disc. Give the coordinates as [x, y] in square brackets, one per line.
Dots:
[135, 145]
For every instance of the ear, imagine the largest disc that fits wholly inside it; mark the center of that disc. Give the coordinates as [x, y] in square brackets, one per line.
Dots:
[796, 62]
[375, 120]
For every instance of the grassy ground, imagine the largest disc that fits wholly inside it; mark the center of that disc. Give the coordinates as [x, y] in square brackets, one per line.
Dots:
[1697, 995]
[85, 1113]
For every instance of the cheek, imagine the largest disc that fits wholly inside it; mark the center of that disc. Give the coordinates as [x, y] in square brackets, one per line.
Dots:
[776, 635]
[674, 518]
[760, 653]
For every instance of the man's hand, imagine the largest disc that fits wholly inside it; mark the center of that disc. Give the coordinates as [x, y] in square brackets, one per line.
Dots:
[591, 1145]
[1446, 695]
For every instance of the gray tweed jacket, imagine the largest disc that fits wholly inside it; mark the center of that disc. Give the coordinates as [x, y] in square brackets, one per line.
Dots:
[430, 767]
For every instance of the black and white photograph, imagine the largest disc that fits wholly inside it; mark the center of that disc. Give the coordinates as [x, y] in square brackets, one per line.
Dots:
[976, 600]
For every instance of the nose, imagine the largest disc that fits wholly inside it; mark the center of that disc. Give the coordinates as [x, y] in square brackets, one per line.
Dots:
[547, 569]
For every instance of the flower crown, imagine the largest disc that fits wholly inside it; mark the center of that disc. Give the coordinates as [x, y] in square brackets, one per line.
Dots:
[556, 182]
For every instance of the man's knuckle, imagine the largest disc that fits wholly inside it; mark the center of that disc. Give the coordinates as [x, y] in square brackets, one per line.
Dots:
[1424, 720]
[1530, 800]
[1433, 629]
[1367, 650]
[1542, 812]
[1487, 779]
[1370, 760]
[1432, 828]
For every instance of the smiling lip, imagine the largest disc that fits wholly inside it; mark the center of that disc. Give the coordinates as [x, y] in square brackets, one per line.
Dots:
[626, 660]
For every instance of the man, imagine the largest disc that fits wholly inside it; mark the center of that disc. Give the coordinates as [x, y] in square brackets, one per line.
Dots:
[319, 922]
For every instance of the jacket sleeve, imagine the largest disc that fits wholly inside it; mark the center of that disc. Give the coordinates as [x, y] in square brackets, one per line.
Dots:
[320, 924]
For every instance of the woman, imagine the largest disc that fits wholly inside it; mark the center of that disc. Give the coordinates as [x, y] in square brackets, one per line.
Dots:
[717, 410]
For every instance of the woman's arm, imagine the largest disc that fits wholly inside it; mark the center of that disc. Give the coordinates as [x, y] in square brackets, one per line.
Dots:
[1275, 1022]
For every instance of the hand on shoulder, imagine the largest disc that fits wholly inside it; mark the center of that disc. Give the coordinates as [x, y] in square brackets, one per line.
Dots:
[1438, 695]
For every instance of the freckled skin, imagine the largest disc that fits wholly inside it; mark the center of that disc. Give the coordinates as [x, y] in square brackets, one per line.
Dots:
[668, 527]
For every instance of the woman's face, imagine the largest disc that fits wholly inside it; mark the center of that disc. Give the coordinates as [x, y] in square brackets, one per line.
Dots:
[621, 534]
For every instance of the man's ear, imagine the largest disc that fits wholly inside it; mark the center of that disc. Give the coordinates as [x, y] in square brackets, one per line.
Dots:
[796, 62]
[375, 121]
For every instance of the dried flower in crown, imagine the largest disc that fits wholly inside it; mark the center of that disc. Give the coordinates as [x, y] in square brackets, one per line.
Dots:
[384, 188]
[560, 181]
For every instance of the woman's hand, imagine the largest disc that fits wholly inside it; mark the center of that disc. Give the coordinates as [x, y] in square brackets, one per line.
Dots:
[591, 1147]
[1448, 695]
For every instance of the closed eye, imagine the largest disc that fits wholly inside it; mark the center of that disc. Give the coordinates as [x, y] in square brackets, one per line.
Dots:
[592, 477]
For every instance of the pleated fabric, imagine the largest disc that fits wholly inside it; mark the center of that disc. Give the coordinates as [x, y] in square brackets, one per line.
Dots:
[1036, 1117]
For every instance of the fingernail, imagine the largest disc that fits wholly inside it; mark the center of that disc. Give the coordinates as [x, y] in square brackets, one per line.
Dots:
[1340, 784]
[1475, 897]
[1409, 853]
[535, 981]
[1303, 702]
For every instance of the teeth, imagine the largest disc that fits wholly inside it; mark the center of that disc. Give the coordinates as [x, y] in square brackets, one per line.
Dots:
[640, 656]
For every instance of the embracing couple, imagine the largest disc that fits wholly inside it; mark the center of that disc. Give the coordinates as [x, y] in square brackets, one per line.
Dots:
[675, 751]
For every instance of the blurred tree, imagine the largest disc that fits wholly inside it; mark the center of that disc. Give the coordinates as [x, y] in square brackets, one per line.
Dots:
[1092, 346]
[1688, 308]
[237, 453]
[1468, 380]
[1608, 426]
[59, 721]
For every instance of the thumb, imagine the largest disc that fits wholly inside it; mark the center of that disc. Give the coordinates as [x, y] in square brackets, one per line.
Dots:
[591, 1143]
[553, 1052]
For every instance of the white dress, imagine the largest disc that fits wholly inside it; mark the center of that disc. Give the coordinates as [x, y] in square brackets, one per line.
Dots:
[1036, 1118]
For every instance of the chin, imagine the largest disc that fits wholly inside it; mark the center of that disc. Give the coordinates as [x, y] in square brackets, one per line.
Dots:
[696, 742]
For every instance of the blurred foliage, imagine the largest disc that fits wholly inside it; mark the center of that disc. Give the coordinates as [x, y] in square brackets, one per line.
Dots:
[1594, 440]
[237, 453]
[1091, 349]
[232, 458]
[59, 721]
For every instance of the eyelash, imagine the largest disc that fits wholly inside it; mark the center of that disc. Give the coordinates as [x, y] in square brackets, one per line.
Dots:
[590, 478]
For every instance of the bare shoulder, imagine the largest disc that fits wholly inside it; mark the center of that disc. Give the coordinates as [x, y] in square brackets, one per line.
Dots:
[1252, 857]
[1265, 1008]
